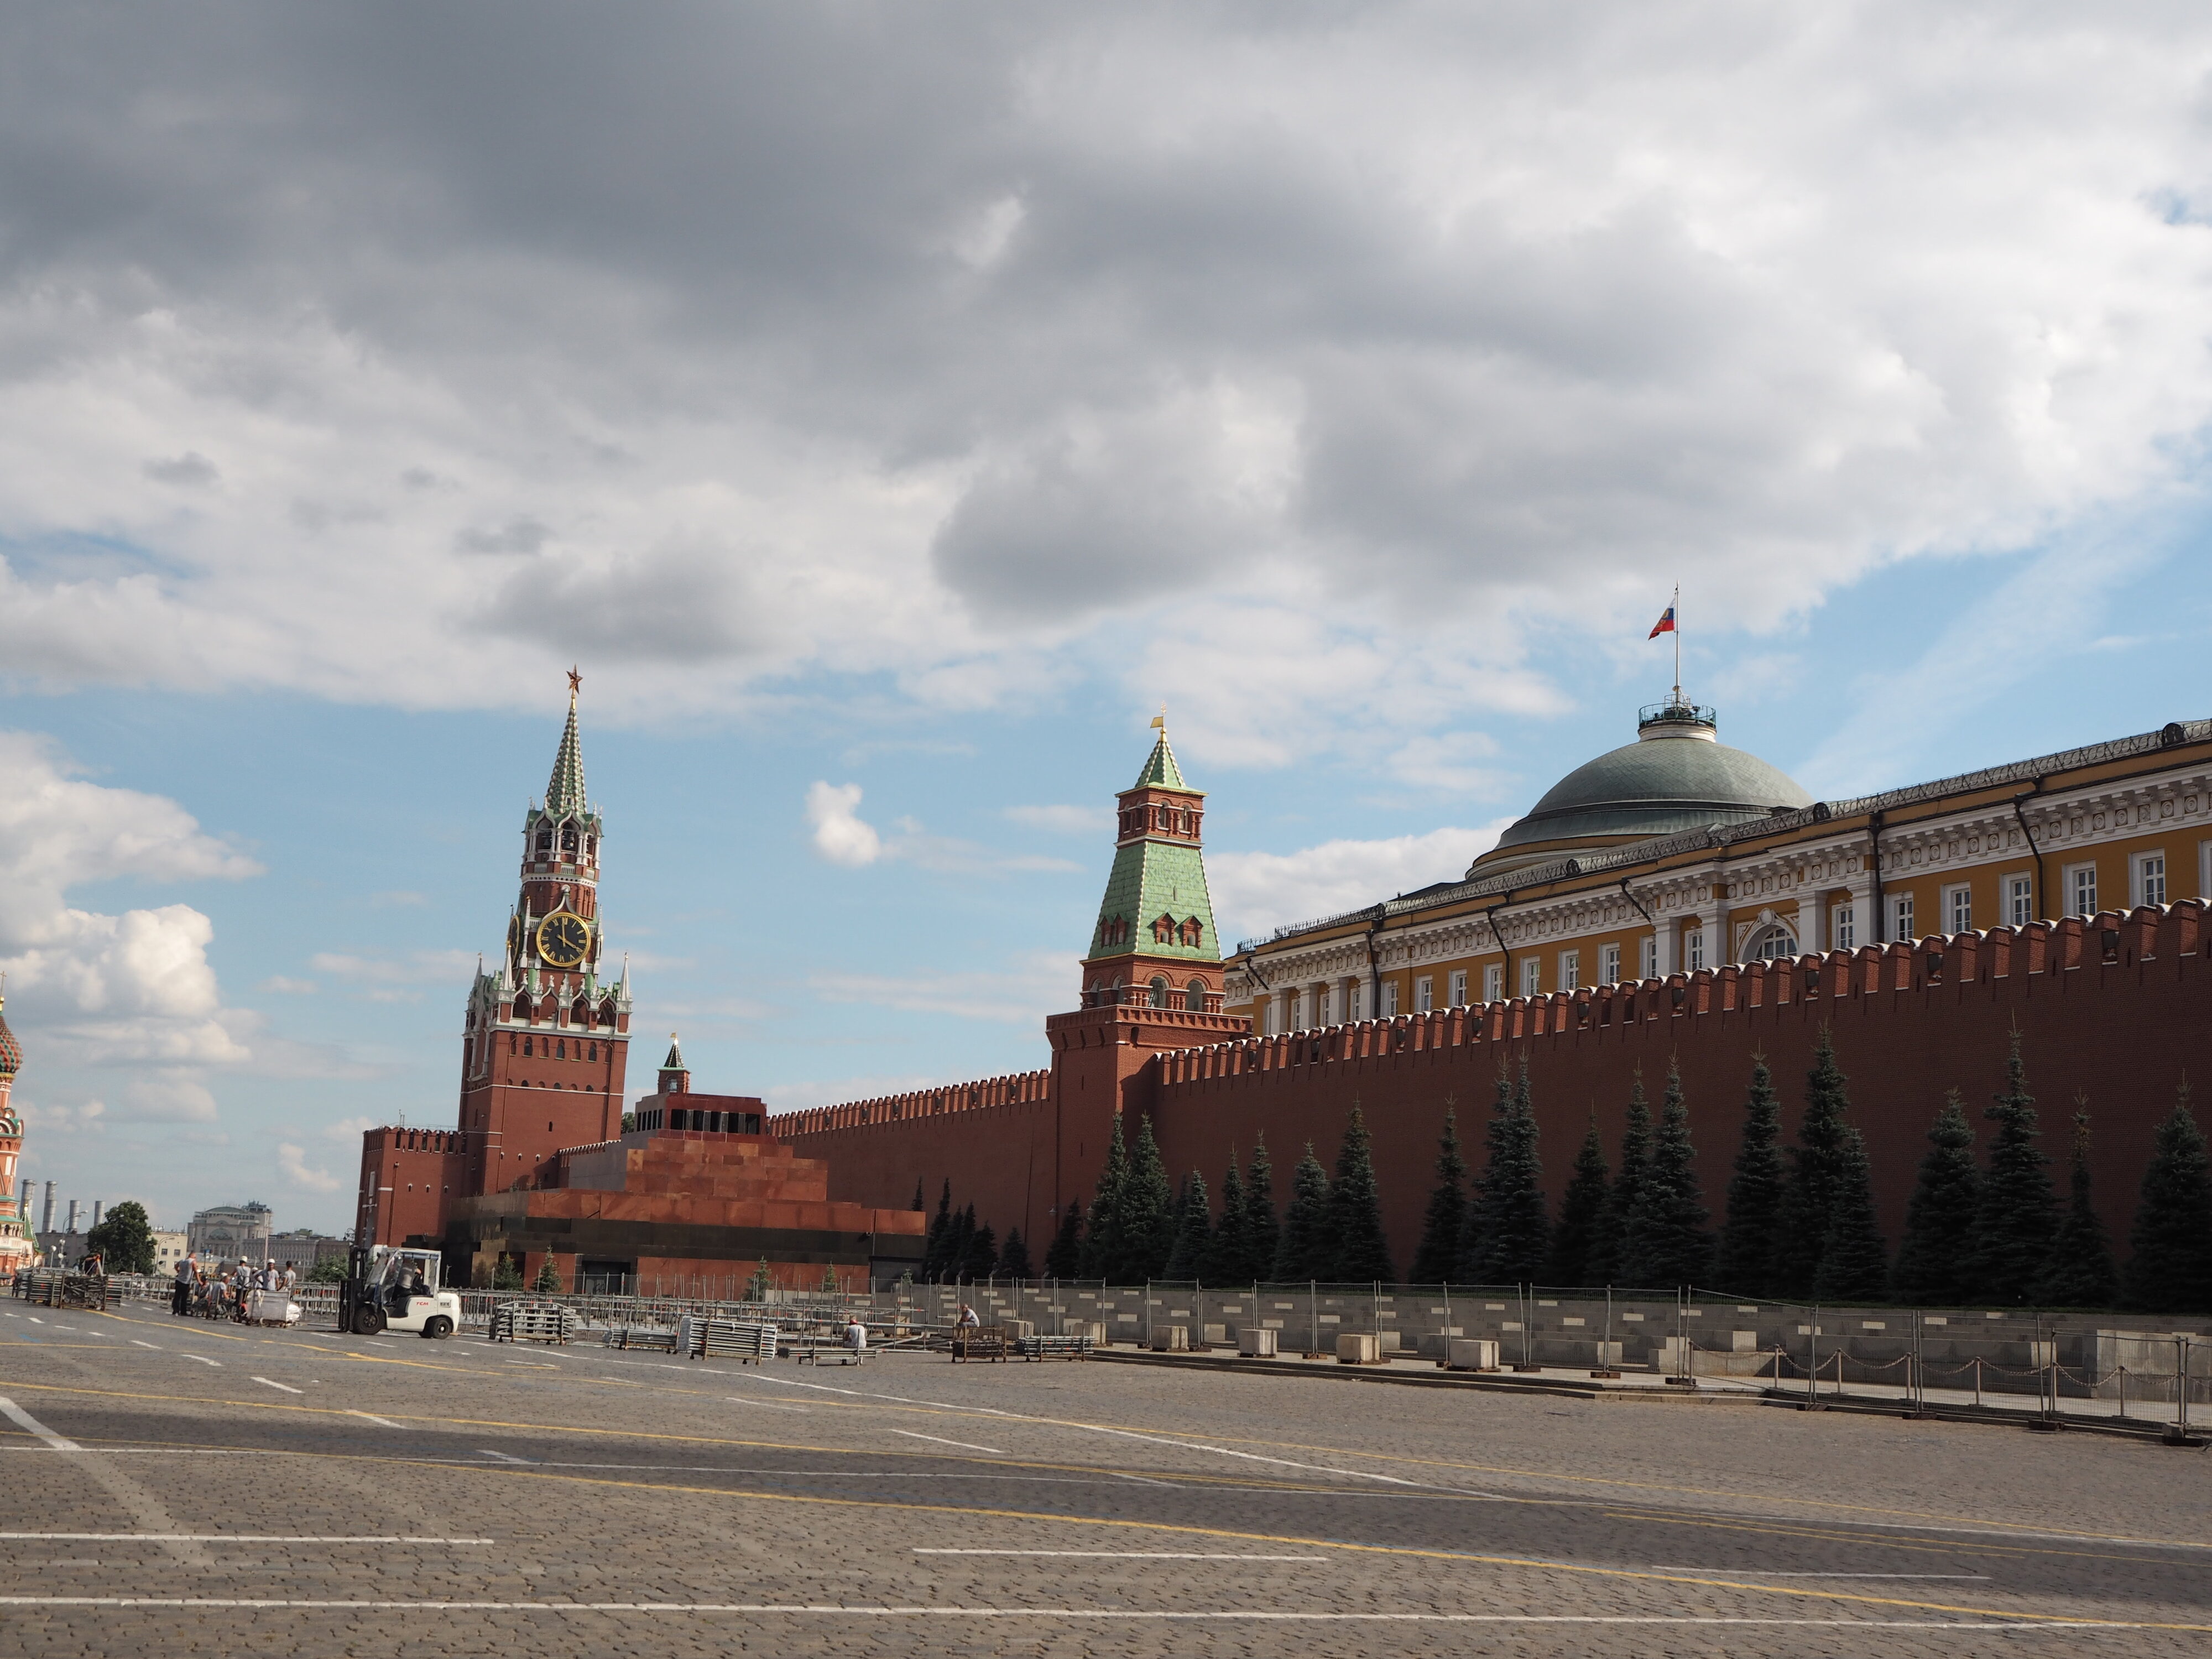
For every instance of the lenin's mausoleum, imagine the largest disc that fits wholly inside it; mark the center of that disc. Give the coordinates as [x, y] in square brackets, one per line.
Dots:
[1674, 902]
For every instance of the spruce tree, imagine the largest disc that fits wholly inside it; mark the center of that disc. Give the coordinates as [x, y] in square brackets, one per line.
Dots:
[1582, 1212]
[980, 1259]
[959, 1241]
[1147, 1211]
[1193, 1236]
[2019, 1212]
[1102, 1243]
[1936, 1262]
[548, 1282]
[1606, 1256]
[1752, 1232]
[1853, 1257]
[1305, 1251]
[1355, 1210]
[1438, 1258]
[1227, 1260]
[1014, 1256]
[2170, 1266]
[917, 1203]
[2080, 1274]
[1508, 1227]
[1262, 1233]
[939, 1235]
[1817, 1169]
[1666, 1242]
[1063, 1257]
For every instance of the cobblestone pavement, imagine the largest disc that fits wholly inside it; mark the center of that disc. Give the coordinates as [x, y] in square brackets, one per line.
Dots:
[176, 1486]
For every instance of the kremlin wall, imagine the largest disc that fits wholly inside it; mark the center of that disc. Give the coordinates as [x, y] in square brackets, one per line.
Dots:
[1675, 903]
[1761, 917]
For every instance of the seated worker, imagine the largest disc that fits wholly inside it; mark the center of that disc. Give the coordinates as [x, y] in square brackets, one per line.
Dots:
[409, 1283]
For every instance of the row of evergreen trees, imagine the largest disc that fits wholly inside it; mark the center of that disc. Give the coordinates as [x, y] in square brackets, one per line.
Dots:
[957, 1249]
[1800, 1223]
[1139, 1228]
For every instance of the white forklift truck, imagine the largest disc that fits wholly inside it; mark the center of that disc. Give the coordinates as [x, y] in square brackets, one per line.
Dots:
[389, 1289]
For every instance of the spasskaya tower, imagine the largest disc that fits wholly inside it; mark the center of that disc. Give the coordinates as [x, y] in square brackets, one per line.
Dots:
[546, 1034]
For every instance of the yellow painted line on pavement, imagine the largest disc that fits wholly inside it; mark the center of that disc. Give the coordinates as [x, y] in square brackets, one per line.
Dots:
[1874, 1540]
[1405, 1551]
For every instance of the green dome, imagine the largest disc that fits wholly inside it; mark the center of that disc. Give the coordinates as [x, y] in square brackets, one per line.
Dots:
[1677, 776]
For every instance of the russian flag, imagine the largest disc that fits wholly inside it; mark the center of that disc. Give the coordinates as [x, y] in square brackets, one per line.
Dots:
[1664, 625]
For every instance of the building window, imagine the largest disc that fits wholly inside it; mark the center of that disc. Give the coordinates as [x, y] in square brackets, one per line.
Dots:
[525, 1046]
[1532, 976]
[1693, 948]
[2150, 878]
[1493, 982]
[1353, 995]
[1647, 956]
[1194, 997]
[1842, 927]
[1608, 964]
[2082, 889]
[2019, 900]
[1900, 916]
[1958, 908]
[1159, 990]
[1458, 987]
[1775, 943]
[1389, 998]
[1570, 970]
[1424, 994]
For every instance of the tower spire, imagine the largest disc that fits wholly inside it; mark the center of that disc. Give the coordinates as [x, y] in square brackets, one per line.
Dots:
[564, 791]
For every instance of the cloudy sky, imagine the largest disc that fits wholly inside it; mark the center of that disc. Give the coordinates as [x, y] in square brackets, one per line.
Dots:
[889, 407]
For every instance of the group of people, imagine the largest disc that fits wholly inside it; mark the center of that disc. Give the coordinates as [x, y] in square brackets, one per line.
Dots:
[215, 1292]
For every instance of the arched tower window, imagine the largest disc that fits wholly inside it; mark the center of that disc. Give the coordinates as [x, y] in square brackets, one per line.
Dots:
[1194, 997]
[544, 840]
[1160, 990]
[570, 840]
[522, 1008]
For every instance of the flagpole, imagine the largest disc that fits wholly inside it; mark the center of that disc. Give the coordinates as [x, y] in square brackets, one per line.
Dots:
[1678, 645]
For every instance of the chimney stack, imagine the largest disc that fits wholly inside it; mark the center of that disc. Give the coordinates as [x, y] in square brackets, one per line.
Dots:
[46, 1220]
[96, 1211]
[72, 1216]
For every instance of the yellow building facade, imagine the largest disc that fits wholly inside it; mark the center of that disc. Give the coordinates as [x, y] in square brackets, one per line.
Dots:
[1676, 853]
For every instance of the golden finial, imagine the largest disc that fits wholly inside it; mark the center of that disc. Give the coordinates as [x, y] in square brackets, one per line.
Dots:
[1160, 720]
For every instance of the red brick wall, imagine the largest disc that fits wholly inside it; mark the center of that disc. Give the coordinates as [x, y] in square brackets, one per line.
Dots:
[2124, 1031]
[408, 1177]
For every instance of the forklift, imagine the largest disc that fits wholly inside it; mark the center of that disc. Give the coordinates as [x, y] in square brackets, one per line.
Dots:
[389, 1289]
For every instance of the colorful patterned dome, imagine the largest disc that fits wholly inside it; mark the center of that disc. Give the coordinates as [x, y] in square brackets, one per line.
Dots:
[11, 1052]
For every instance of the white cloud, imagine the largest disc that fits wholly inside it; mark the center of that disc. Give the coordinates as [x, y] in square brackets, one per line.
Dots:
[840, 834]
[351, 1129]
[284, 985]
[1254, 892]
[292, 1162]
[1301, 367]
[99, 987]
[395, 979]
[1065, 820]
[168, 1097]
[1048, 983]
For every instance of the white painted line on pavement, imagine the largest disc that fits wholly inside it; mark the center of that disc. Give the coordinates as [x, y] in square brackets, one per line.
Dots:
[287, 1387]
[1134, 1615]
[235, 1538]
[962, 1444]
[1120, 1555]
[502, 1457]
[23, 1419]
[136, 1343]
[35, 1319]
[370, 1417]
[765, 1405]
[204, 1360]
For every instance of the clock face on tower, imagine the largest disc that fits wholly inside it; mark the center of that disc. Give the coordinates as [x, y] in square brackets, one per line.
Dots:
[562, 939]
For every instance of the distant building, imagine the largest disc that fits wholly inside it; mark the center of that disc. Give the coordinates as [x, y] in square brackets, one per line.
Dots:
[304, 1247]
[230, 1231]
[169, 1249]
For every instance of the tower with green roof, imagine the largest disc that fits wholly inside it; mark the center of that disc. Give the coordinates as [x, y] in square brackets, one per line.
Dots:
[1154, 943]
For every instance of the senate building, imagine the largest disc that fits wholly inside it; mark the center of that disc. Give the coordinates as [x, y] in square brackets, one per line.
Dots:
[1677, 853]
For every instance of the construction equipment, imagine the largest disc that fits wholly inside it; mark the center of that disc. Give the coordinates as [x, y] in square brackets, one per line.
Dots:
[389, 1289]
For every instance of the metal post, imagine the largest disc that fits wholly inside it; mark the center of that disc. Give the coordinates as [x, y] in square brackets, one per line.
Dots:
[1148, 1313]
[1813, 1360]
[1313, 1293]
[1977, 1381]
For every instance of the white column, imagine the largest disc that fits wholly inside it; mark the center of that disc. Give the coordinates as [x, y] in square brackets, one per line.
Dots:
[1812, 924]
[1664, 934]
